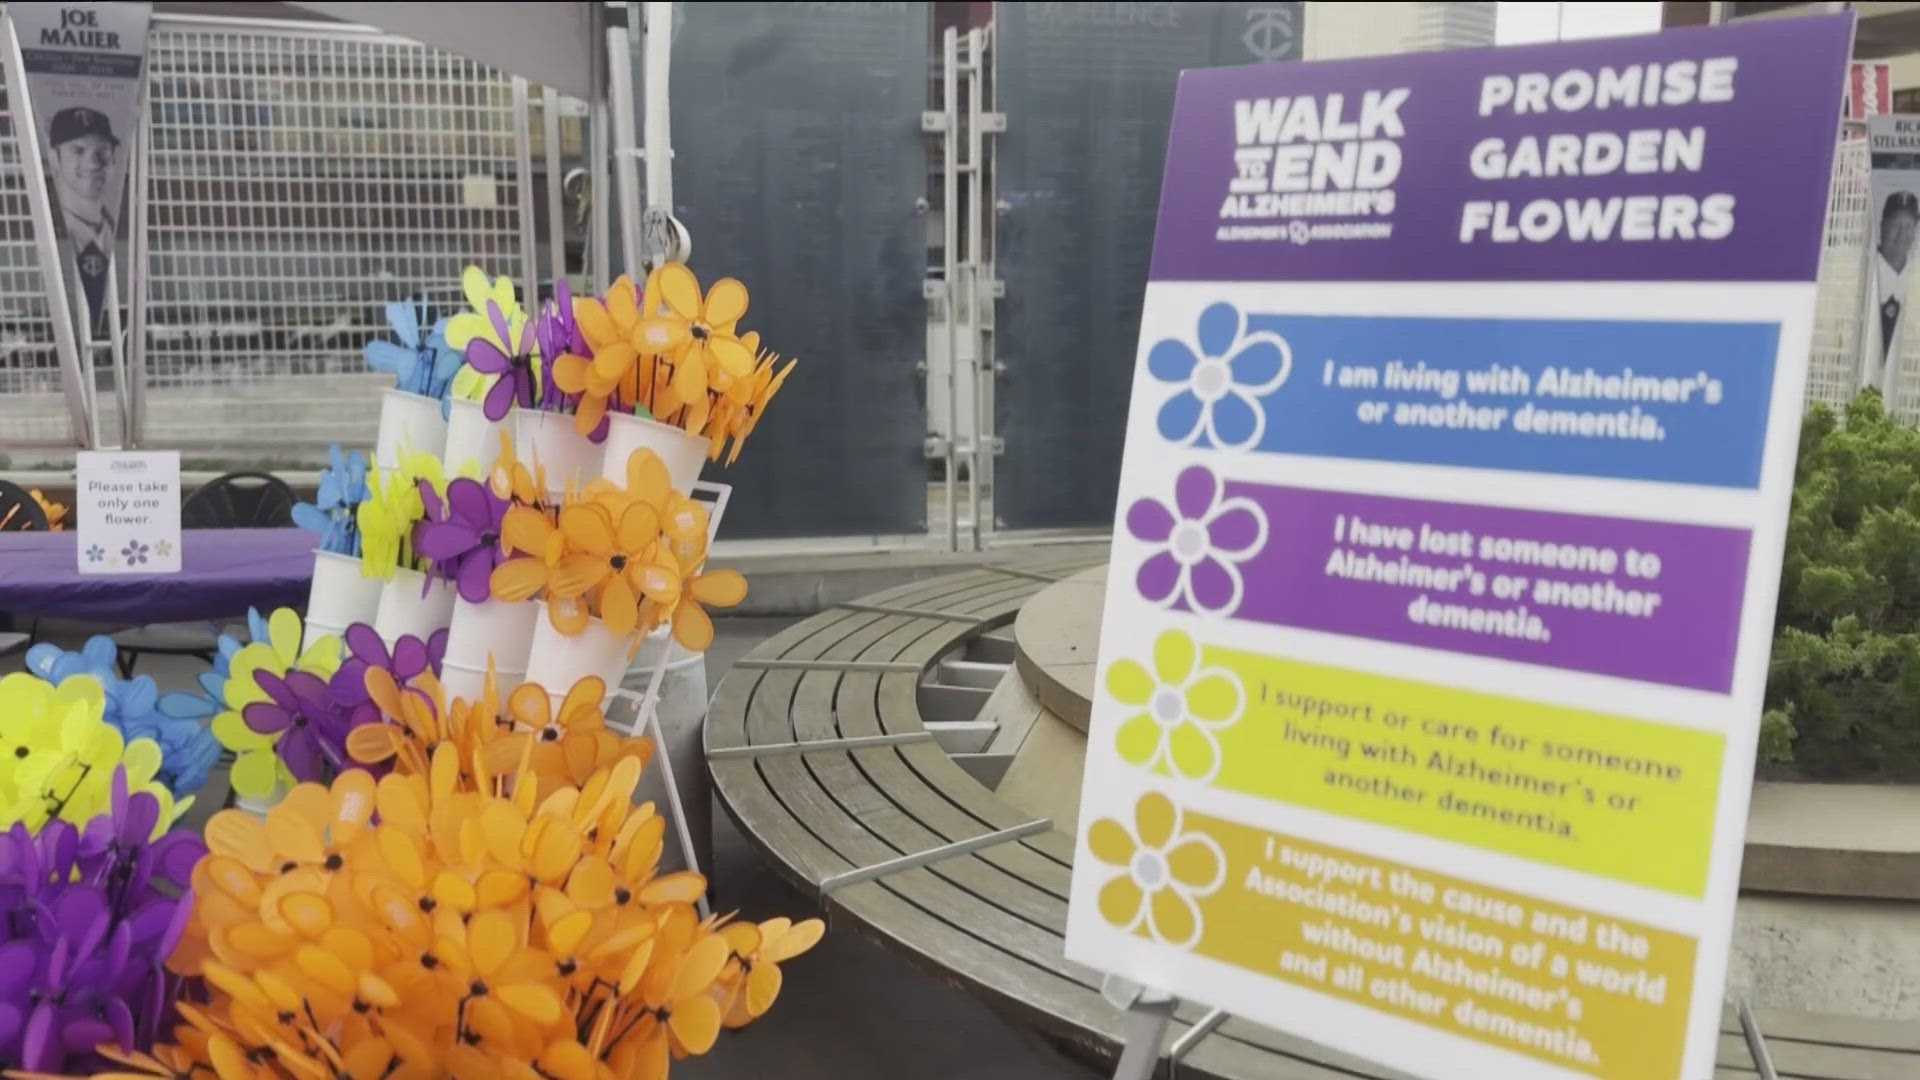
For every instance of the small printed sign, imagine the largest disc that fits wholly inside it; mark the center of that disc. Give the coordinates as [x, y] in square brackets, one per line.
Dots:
[127, 512]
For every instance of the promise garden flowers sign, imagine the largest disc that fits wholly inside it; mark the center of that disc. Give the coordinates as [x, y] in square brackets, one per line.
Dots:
[1450, 527]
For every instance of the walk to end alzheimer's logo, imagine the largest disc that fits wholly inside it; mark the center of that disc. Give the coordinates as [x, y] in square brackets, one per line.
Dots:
[1314, 167]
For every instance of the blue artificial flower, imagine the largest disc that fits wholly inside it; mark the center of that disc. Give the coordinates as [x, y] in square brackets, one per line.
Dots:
[423, 365]
[334, 512]
[1223, 381]
[137, 708]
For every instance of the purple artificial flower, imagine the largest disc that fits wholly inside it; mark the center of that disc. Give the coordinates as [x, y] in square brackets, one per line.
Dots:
[1203, 538]
[558, 334]
[516, 382]
[89, 918]
[312, 729]
[409, 657]
[464, 542]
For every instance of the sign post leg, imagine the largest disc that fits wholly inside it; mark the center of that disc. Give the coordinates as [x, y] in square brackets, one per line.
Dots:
[1148, 1014]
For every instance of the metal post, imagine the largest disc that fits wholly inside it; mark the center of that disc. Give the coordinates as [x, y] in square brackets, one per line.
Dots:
[599, 194]
[658, 134]
[1756, 1043]
[1149, 1012]
[626, 174]
[976, 290]
[523, 167]
[950, 238]
[47, 246]
[140, 197]
[556, 191]
[116, 353]
[82, 324]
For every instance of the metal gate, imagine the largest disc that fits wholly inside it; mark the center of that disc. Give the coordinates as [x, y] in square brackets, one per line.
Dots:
[797, 144]
[1088, 96]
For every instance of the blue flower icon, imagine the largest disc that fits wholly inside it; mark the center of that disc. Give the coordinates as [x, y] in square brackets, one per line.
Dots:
[95, 553]
[1222, 380]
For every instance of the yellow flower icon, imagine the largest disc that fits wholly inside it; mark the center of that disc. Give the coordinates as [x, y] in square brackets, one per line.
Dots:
[1163, 871]
[1183, 706]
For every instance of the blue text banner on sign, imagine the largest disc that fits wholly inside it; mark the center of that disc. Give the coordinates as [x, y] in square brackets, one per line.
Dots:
[1664, 401]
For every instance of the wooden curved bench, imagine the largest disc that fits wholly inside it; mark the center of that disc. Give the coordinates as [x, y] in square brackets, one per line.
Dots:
[819, 752]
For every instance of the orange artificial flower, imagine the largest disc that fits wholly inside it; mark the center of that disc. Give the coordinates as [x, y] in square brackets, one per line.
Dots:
[613, 562]
[563, 747]
[758, 951]
[712, 345]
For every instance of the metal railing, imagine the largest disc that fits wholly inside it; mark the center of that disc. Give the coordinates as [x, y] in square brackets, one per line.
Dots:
[300, 177]
[33, 408]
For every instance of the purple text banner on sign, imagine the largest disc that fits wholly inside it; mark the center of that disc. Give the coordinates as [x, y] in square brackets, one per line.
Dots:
[1641, 159]
[1643, 600]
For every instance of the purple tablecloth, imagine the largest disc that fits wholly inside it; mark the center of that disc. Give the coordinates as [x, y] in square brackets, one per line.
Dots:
[223, 573]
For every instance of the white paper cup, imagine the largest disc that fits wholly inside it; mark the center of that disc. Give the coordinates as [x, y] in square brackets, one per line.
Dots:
[472, 439]
[548, 440]
[461, 682]
[557, 661]
[500, 630]
[683, 454]
[405, 612]
[340, 596]
[408, 422]
[259, 807]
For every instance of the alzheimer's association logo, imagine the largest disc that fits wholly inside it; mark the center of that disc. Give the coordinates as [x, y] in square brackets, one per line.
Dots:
[1314, 166]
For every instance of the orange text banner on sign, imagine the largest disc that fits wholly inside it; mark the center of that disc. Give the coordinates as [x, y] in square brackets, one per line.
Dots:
[1598, 995]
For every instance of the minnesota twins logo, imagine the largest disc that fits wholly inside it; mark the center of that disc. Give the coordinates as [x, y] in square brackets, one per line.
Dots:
[1270, 32]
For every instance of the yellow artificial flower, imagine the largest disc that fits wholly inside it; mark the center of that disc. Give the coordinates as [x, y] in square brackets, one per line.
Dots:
[393, 507]
[58, 755]
[468, 384]
[257, 769]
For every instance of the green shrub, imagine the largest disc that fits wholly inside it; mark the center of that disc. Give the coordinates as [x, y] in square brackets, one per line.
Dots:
[1843, 689]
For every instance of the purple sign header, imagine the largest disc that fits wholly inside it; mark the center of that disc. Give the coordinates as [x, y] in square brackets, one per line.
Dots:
[1690, 155]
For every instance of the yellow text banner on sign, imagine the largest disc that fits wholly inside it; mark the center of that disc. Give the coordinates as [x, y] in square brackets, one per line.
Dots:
[1597, 995]
[1607, 795]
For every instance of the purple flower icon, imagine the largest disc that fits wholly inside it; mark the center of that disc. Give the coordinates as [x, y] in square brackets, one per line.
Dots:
[1203, 537]
[135, 553]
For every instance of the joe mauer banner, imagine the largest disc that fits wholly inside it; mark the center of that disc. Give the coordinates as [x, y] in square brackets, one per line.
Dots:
[84, 64]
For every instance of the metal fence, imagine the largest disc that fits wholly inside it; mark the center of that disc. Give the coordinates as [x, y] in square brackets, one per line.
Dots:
[299, 180]
[32, 407]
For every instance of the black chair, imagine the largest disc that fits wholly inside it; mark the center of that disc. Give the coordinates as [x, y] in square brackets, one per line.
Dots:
[19, 512]
[237, 500]
[240, 500]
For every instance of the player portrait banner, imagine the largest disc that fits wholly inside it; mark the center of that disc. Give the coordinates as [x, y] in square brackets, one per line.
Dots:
[84, 63]
[1893, 216]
